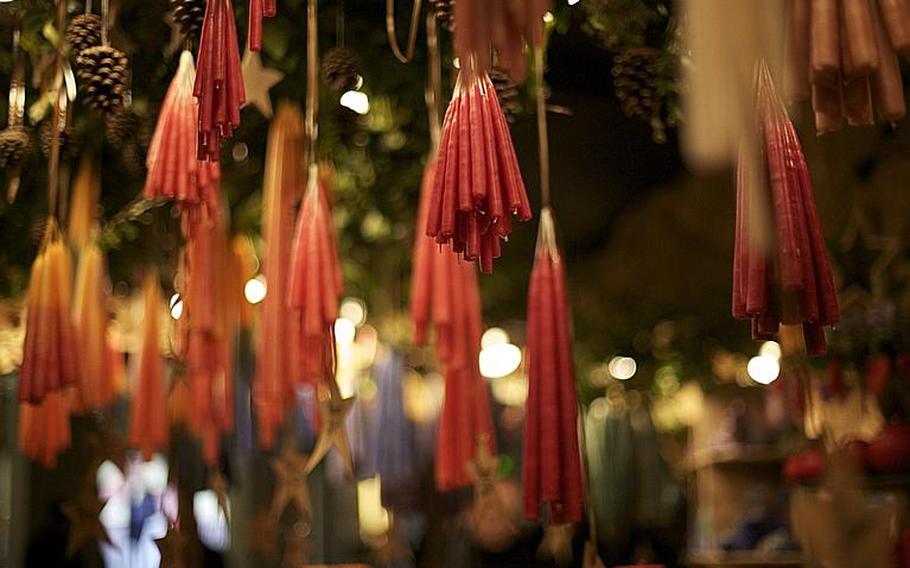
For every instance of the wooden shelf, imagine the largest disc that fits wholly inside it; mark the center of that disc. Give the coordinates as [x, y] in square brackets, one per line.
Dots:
[737, 455]
[744, 559]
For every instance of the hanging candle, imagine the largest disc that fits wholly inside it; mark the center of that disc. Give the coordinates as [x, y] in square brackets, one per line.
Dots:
[316, 283]
[279, 366]
[259, 9]
[148, 410]
[477, 186]
[551, 460]
[444, 291]
[44, 428]
[208, 327]
[790, 281]
[98, 371]
[83, 211]
[219, 82]
[48, 362]
[174, 172]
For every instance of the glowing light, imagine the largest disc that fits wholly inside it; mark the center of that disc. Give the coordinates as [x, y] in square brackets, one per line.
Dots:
[599, 408]
[770, 349]
[423, 396]
[763, 369]
[345, 331]
[211, 520]
[374, 519]
[512, 390]
[623, 368]
[353, 309]
[573, 2]
[357, 101]
[255, 289]
[494, 336]
[499, 361]
[177, 308]
[548, 17]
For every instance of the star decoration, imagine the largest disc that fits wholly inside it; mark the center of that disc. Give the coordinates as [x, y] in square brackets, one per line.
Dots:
[85, 525]
[262, 535]
[557, 543]
[291, 483]
[171, 548]
[257, 80]
[864, 257]
[107, 445]
[334, 410]
[219, 486]
[484, 469]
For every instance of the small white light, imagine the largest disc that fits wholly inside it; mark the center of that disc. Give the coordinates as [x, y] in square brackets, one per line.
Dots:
[763, 369]
[345, 331]
[770, 349]
[255, 289]
[494, 336]
[623, 368]
[499, 361]
[548, 17]
[357, 101]
[512, 390]
[177, 309]
[173, 301]
[353, 309]
[573, 2]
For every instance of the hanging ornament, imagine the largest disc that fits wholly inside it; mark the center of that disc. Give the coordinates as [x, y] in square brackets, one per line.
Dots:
[83, 211]
[444, 12]
[843, 56]
[174, 172]
[316, 283]
[557, 544]
[48, 362]
[259, 9]
[492, 526]
[102, 72]
[84, 32]
[341, 69]
[69, 141]
[334, 411]
[15, 141]
[148, 414]
[44, 428]
[551, 464]
[790, 281]
[97, 366]
[258, 80]
[508, 92]
[219, 83]
[291, 486]
[478, 185]
[278, 371]
[121, 126]
[188, 16]
[83, 515]
[15, 148]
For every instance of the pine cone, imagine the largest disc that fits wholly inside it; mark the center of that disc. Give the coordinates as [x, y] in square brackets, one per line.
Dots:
[133, 155]
[188, 14]
[69, 144]
[508, 92]
[83, 32]
[15, 147]
[445, 13]
[121, 125]
[102, 73]
[637, 73]
[341, 69]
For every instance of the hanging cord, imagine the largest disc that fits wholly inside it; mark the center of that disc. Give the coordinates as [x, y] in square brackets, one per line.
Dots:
[105, 7]
[339, 24]
[312, 82]
[393, 34]
[53, 166]
[544, 143]
[434, 83]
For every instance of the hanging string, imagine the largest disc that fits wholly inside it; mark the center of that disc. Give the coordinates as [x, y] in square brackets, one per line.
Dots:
[393, 34]
[312, 82]
[104, 10]
[53, 167]
[339, 24]
[544, 143]
[434, 86]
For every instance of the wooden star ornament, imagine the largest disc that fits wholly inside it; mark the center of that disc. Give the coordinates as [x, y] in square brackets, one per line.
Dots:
[85, 524]
[484, 468]
[257, 81]
[334, 410]
[290, 483]
[557, 543]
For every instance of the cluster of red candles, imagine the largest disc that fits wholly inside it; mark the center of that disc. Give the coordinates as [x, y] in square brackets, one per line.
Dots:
[477, 186]
[219, 81]
[843, 55]
[551, 459]
[48, 361]
[444, 292]
[259, 9]
[503, 26]
[174, 172]
[278, 365]
[148, 408]
[782, 277]
[316, 282]
[44, 428]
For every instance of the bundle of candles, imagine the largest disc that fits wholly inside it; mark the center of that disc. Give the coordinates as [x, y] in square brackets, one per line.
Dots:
[174, 172]
[83, 211]
[207, 330]
[843, 55]
[278, 365]
[782, 276]
[552, 463]
[503, 25]
[44, 428]
[48, 362]
[444, 291]
[316, 283]
[259, 9]
[100, 366]
[219, 82]
[148, 409]
[477, 185]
